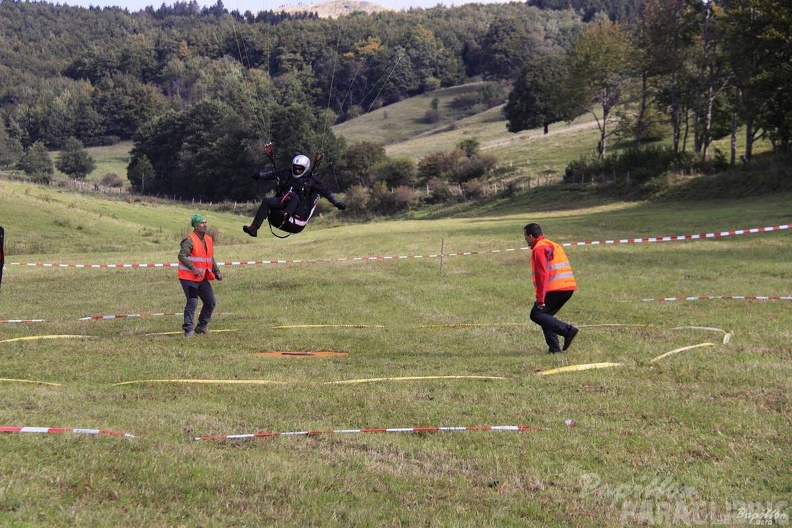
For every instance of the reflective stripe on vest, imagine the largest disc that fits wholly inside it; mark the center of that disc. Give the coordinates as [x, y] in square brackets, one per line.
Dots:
[561, 275]
[200, 257]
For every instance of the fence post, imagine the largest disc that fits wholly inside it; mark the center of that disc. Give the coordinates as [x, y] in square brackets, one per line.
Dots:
[442, 252]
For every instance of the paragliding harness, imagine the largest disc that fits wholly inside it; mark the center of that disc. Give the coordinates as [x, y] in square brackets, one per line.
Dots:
[294, 223]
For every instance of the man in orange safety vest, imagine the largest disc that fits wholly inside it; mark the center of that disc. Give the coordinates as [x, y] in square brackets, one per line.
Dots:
[554, 284]
[197, 267]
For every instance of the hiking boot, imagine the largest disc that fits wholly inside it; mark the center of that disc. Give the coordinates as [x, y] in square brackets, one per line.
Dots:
[201, 330]
[570, 335]
[189, 333]
[554, 351]
[250, 230]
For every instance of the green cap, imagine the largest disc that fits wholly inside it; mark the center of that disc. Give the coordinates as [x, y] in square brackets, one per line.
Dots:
[197, 219]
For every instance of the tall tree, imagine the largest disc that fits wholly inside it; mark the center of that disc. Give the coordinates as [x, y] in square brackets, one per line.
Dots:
[599, 72]
[507, 47]
[666, 33]
[538, 98]
[74, 160]
[37, 163]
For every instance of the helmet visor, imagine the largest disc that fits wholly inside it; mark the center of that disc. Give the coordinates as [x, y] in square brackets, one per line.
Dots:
[297, 170]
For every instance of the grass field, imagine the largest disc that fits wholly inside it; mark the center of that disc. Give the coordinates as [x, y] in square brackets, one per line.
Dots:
[699, 435]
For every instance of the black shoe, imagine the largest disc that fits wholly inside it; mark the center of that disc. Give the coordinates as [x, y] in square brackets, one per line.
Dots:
[201, 330]
[553, 351]
[252, 231]
[570, 335]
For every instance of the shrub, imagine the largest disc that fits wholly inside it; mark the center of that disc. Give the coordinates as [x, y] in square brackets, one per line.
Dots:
[357, 198]
[389, 201]
[476, 189]
[431, 116]
[440, 191]
[111, 180]
[465, 101]
[635, 165]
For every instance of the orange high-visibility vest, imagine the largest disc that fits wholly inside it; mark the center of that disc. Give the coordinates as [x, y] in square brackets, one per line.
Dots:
[200, 257]
[561, 276]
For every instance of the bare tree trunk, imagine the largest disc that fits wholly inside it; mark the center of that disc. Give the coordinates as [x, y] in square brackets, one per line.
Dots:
[706, 136]
[749, 138]
[676, 125]
[642, 120]
[733, 136]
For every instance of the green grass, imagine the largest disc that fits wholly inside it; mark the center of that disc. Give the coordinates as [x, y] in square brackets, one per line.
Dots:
[112, 159]
[712, 421]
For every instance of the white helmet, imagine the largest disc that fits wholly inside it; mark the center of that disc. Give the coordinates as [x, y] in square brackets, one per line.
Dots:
[300, 166]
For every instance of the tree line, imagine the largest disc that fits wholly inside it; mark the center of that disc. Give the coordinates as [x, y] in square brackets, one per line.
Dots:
[697, 70]
[200, 90]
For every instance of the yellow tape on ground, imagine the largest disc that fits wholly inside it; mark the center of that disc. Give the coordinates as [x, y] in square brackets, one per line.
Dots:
[726, 334]
[572, 368]
[329, 326]
[708, 328]
[33, 338]
[216, 382]
[409, 378]
[471, 325]
[676, 351]
[181, 332]
[610, 324]
[31, 381]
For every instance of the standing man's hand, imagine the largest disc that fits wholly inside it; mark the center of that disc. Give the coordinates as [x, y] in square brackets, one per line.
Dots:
[540, 305]
[219, 275]
[198, 272]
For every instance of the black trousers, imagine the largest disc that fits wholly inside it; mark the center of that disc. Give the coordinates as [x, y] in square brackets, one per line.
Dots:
[288, 202]
[545, 317]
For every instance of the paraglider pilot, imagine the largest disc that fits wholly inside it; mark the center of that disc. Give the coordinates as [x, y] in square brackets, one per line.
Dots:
[296, 190]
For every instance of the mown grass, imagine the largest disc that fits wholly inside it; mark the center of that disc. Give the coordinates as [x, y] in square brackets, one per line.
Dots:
[713, 420]
[111, 159]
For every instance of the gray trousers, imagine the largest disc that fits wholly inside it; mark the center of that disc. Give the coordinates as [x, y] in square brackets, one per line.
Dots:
[194, 291]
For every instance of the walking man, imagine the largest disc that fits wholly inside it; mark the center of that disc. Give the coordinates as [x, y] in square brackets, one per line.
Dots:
[554, 284]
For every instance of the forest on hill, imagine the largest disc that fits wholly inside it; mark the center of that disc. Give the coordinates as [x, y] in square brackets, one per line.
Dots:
[200, 90]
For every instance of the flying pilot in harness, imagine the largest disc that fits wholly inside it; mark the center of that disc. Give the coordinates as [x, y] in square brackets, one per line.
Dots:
[295, 197]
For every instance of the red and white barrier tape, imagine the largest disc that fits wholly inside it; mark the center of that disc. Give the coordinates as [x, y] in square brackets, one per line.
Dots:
[125, 316]
[724, 297]
[55, 430]
[108, 317]
[21, 320]
[718, 234]
[372, 430]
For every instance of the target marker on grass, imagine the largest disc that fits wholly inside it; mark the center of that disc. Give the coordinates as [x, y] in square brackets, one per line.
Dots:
[318, 353]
